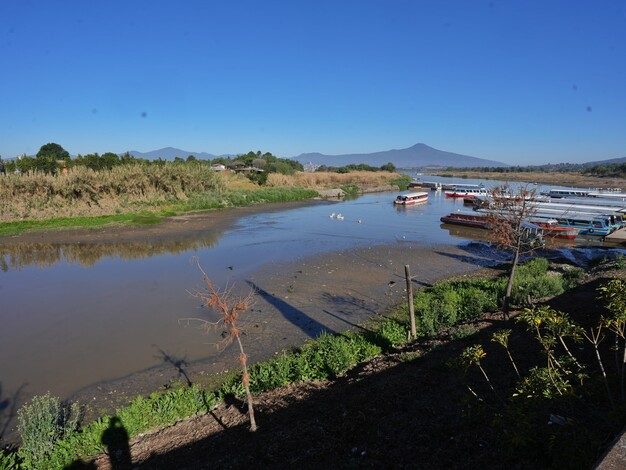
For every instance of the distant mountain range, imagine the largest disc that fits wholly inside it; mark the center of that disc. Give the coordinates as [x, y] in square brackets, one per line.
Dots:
[417, 156]
[170, 153]
[606, 162]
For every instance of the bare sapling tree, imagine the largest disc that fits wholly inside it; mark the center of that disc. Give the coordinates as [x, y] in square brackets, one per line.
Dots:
[228, 307]
[509, 211]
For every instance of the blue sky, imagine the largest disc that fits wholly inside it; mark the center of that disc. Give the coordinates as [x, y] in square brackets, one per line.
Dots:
[522, 82]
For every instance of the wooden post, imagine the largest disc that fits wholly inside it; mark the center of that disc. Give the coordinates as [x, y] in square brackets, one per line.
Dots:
[409, 295]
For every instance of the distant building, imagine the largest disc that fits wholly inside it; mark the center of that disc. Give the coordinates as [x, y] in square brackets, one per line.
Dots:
[311, 167]
[218, 167]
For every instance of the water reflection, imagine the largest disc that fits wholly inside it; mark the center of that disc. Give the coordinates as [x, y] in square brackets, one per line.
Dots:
[15, 256]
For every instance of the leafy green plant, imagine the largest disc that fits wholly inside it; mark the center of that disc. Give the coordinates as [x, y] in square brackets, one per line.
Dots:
[474, 355]
[463, 331]
[542, 382]
[502, 338]
[571, 277]
[392, 332]
[9, 461]
[614, 295]
[401, 181]
[41, 423]
[351, 190]
[551, 327]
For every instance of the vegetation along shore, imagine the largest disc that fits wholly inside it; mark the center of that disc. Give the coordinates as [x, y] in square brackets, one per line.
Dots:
[54, 191]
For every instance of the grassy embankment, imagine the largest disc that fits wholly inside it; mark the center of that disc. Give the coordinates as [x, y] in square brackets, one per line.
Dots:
[143, 194]
[447, 310]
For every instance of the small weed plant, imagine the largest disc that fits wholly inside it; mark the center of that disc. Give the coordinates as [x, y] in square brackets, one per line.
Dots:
[41, 424]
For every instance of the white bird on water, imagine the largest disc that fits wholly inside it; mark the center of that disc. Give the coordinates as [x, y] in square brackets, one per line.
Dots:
[340, 217]
[332, 216]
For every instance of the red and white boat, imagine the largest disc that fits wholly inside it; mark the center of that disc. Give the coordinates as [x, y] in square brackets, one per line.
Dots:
[411, 198]
[467, 192]
[551, 228]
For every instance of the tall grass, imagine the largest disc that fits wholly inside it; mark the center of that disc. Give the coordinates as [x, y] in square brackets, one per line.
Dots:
[321, 180]
[84, 192]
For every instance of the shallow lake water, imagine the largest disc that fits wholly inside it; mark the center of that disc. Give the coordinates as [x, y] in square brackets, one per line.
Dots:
[74, 315]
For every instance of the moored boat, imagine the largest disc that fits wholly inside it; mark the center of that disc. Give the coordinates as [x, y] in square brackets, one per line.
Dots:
[467, 192]
[551, 228]
[467, 219]
[411, 198]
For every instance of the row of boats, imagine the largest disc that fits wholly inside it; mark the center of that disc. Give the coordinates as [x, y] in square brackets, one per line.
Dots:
[557, 213]
[454, 191]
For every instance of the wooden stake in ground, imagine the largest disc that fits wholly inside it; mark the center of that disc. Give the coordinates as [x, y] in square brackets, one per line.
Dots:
[409, 295]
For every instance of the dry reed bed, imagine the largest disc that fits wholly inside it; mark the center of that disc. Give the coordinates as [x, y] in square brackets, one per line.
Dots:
[131, 188]
[84, 192]
[324, 180]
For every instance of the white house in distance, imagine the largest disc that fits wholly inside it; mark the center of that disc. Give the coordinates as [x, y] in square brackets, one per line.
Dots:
[310, 167]
[218, 167]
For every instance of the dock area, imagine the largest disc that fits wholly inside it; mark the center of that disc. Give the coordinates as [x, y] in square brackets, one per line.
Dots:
[619, 236]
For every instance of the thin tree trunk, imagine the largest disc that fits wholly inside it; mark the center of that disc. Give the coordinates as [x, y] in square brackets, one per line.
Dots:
[567, 350]
[513, 362]
[622, 371]
[489, 382]
[409, 295]
[246, 384]
[506, 305]
[604, 377]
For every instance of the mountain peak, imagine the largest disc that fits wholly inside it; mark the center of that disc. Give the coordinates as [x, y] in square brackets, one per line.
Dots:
[417, 156]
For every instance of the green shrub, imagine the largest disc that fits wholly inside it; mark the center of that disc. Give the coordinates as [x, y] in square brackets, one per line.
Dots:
[392, 332]
[330, 355]
[436, 308]
[41, 423]
[535, 287]
[476, 298]
[9, 461]
[463, 331]
[571, 277]
[271, 374]
[535, 267]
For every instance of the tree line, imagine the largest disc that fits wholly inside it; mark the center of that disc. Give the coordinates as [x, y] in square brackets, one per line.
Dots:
[616, 170]
[52, 158]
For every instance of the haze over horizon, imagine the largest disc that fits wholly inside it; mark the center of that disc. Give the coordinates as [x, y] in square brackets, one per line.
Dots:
[518, 82]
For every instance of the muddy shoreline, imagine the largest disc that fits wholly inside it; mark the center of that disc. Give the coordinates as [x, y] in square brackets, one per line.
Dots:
[299, 299]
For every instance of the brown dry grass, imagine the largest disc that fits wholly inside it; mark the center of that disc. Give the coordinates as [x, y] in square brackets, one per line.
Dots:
[86, 193]
[322, 180]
